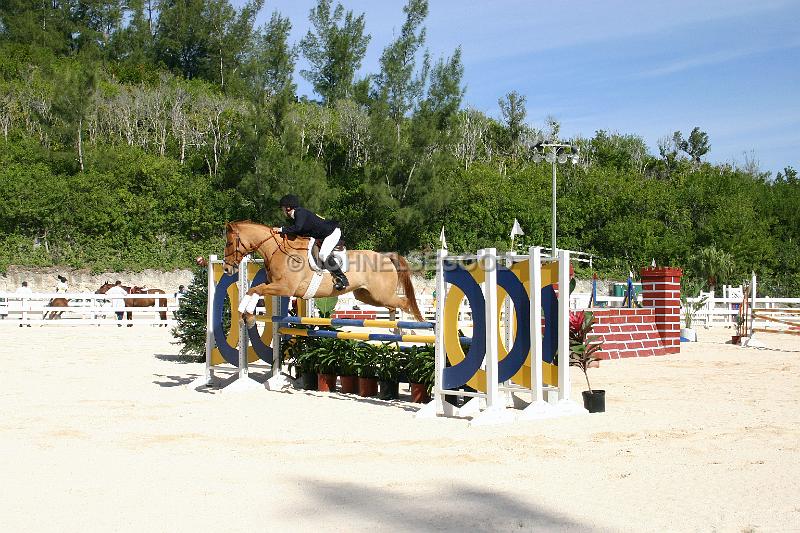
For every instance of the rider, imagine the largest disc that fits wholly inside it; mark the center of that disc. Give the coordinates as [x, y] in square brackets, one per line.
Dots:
[307, 224]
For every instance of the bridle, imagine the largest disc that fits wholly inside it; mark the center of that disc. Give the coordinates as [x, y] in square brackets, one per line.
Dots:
[238, 254]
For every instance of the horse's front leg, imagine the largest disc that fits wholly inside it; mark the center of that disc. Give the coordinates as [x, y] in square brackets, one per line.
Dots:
[248, 304]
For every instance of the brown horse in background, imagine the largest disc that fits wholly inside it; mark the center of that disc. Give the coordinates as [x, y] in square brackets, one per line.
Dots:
[139, 302]
[56, 302]
[374, 277]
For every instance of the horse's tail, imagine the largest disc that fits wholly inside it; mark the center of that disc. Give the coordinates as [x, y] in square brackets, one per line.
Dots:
[404, 278]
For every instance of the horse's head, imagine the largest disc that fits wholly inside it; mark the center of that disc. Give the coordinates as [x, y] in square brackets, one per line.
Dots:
[234, 249]
[104, 288]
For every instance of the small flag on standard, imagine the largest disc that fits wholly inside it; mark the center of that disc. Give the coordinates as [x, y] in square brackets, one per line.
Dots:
[516, 230]
[442, 240]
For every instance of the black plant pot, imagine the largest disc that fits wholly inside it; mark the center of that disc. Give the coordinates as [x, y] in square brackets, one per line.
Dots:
[388, 390]
[308, 381]
[594, 401]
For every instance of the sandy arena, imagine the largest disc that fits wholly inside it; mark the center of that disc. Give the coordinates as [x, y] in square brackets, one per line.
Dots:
[99, 433]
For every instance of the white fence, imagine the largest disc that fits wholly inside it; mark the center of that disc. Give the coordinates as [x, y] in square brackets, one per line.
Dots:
[722, 311]
[82, 309]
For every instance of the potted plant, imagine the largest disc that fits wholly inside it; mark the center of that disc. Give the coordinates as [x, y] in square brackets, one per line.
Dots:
[421, 370]
[347, 367]
[690, 308]
[365, 364]
[741, 329]
[303, 360]
[582, 352]
[327, 354]
[389, 364]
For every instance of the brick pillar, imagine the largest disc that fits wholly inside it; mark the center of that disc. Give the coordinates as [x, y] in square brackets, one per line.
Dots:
[661, 290]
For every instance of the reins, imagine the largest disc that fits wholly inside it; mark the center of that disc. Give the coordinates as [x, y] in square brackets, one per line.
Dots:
[281, 245]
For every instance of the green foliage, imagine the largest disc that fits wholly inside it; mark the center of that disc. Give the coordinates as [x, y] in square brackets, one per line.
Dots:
[421, 365]
[365, 360]
[334, 50]
[190, 329]
[390, 362]
[300, 356]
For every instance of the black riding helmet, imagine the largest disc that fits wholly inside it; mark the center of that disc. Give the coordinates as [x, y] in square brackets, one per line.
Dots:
[291, 201]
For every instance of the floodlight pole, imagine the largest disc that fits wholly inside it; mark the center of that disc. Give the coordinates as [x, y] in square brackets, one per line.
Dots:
[555, 149]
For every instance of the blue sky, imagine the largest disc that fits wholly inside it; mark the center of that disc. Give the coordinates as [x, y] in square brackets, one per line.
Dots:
[731, 67]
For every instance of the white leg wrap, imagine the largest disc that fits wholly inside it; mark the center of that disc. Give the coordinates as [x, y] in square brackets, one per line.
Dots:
[251, 305]
[244, 302]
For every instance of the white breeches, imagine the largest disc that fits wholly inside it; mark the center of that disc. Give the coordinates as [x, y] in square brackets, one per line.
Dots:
[329, 243]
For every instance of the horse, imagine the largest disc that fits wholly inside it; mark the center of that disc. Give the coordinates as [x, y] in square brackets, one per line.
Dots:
[374, 277]
[139, 302]
[56, 302]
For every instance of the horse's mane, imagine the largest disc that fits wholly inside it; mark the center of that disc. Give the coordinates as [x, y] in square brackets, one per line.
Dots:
[235, 223]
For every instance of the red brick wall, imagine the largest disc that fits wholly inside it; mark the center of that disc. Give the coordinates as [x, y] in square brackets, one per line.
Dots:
[627, 333]
[661, 290]
[653, 329]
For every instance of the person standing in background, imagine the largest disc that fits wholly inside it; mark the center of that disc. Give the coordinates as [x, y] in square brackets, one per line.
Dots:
[61, 286]
[24, 292]
[118, 295]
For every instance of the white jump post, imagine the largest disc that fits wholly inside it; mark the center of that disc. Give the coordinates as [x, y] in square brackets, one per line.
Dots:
[565, 403]
[538, 407]
[243, 381]
[495, 412]
[208, 374]
[277, 380]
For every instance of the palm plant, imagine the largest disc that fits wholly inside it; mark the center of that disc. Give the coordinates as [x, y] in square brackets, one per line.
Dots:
[713, 264]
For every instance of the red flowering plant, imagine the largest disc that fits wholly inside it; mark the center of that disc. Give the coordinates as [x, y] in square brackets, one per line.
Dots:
[582, 345]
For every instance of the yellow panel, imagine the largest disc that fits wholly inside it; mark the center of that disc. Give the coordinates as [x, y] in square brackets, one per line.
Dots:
[455, 353]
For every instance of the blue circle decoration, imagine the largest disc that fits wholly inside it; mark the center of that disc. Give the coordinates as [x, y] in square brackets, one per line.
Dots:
[459, 374]
[513, 361]
[229, 353]
[550, 312]
[263, 351]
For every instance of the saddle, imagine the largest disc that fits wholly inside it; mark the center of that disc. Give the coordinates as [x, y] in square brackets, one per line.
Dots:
[339, 254]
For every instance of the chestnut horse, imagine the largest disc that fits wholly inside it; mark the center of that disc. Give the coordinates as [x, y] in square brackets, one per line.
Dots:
[374, 277]
[139, 302]
[56, 302]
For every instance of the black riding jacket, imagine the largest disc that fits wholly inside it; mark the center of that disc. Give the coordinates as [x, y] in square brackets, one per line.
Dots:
[308, 224]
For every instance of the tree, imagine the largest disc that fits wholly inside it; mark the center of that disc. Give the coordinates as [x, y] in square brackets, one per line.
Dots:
[182, 37]
[396, 83]
[445, 91]
[134, 43]
[696, 146]
[271, 61]
[229, 37]
[335, 50]
[512, 109]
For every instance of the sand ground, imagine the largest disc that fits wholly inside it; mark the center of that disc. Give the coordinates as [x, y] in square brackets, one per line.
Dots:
[99, 433]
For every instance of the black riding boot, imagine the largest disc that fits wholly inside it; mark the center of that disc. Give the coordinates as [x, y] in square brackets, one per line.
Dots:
[340, 281]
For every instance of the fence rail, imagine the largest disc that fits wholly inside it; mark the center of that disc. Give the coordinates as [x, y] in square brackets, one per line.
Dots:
[83, 308]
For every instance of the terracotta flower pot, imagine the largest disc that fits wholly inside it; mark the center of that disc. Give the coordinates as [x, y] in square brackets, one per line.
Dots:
[367, 387]
[349, 384]
[326, 382]
[419, 393]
